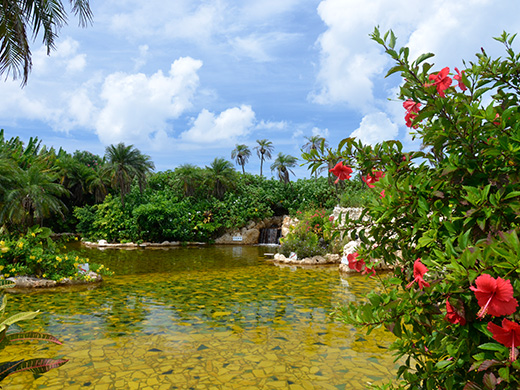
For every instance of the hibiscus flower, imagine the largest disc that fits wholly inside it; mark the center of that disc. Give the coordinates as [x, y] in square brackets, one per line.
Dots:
[371, 179]
[355, 264]
[508, 335]
[458, 77]
[419, 269]
[412, 108]
[494, 296]
[453, 315]
[369, 271]
[341, 171]
[441, 80]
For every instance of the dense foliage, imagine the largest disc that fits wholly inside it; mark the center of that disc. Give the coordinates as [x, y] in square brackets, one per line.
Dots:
[312, 235]
[447, 218]
[175, 209]
[36, 254]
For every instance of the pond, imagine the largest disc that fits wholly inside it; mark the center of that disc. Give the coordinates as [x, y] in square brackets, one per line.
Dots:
[219, 317]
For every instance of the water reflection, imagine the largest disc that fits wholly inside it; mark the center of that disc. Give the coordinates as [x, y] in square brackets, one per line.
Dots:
[213, 317]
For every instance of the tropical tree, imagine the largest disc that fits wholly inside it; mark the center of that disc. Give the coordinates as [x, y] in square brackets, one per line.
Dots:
[220, 176]
[32, 195]
[188, 177]
[126, 163]
[241, 154]
[263, 150]
[283, 165]
[313, 144]
[20, 17]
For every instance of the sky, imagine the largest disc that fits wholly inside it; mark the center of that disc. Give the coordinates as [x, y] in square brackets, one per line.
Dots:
[185, 81]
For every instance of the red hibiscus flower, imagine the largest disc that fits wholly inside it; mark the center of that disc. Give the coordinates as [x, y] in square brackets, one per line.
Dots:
[411, 106]
[453, 315]
[494, 296]
[355, 264]
[458, 77]
[382, 194]
[508, 334]
[341, 171]
[409, 117]
[371, 179]
[369, 271]
[441, 80]
[419, 269]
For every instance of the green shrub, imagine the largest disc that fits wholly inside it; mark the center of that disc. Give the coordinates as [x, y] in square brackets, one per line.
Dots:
[311, 236]
[35, 254]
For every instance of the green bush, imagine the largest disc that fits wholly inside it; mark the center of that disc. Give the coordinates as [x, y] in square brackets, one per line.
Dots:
[35, 254]
[311, 236]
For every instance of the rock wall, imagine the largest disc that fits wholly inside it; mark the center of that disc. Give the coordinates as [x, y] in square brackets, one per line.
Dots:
[249, 234]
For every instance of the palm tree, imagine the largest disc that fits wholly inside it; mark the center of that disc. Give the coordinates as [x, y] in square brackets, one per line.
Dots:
[314, 143]
[241, 154]
[126, 163]
[220, 177]
[263, 150]
[33, 194]
[188, 177]
[20, 17]
[283, 165]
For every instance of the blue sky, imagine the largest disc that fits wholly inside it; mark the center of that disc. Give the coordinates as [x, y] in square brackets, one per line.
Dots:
[185, 81]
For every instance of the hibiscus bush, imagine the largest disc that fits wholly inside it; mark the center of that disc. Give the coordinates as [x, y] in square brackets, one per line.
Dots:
[447, 220]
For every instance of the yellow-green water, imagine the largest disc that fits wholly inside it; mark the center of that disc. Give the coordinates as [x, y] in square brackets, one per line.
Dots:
[202, 318]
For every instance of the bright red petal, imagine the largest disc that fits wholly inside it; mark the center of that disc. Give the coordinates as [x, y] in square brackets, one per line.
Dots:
[500, 334]
[419, 269]
[504, 290]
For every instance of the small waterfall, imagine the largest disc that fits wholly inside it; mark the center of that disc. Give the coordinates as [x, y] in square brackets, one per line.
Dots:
[270, 235]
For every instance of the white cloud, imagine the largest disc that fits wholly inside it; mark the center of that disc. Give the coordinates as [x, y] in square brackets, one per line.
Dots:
[140, 61]
[374, 128]
[351, 64]
[268, 125]
[65, 56]
[138, 107]
[161, 20]
[228, 126]
[321, 132]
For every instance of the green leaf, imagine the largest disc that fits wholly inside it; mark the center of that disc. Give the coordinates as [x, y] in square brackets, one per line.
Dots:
[18, 317]
[442, 364]
[423, 57]
[494, 347]
[512, 194]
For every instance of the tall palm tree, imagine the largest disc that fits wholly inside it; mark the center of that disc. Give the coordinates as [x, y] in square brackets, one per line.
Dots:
[263, 150]
[18, 18]
[220, 177]
[241, 154]
[283, 165]
[188, 177]
[33, 195]
[314, 142]
[126, 163]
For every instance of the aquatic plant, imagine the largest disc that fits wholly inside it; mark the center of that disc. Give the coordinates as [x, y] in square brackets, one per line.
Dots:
[36, 366]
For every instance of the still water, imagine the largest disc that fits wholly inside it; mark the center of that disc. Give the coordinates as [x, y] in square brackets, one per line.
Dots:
[202, 318]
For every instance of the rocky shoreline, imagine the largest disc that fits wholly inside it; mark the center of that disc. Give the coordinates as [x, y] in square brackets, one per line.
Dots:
[32, 282]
